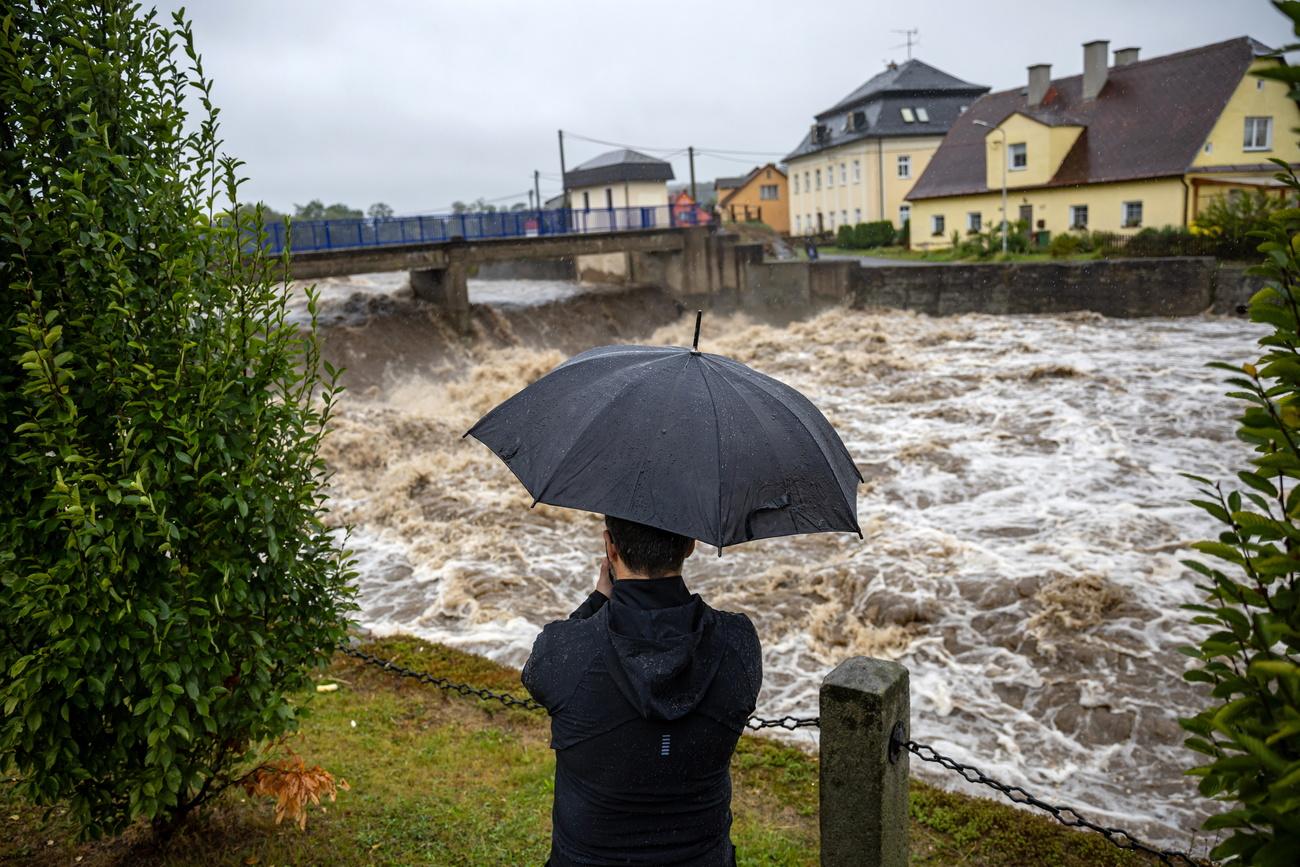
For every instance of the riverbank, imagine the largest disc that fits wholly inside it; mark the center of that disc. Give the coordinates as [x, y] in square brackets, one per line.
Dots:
[440, 779]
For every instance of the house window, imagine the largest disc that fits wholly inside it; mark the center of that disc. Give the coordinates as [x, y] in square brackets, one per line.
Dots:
[857, 172]
[830, 220]
[904, 165]
[904, 214]
[922, 115]
[609, 199]
[830, 176]
[1017, 157]
[844, 217]
[586, 201]
[796, 184]
[819, 179]
[857, 215]
[807, 187]
[1209, 147]
[908, 115]
[798, 224]
[1259, 84]
[1259, 134]
[974, 221]
[844, 174]
[1132, 214]
[936, 225]
[1078, 216]
[768, 192]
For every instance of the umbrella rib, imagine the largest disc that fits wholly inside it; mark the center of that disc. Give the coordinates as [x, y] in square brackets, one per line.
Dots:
[541, 492]
[717, 432]
[759, 384]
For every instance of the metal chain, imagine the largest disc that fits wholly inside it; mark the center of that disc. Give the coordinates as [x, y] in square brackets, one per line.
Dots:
[754, 723]
[1067, 816]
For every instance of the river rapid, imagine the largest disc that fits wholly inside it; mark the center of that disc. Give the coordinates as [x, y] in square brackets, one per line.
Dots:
[1023, 515]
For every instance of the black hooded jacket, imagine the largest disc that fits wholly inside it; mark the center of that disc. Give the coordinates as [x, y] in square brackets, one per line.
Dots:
[648, 694]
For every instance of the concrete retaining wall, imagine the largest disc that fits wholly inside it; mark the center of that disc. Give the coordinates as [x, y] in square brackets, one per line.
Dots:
[1113, 287]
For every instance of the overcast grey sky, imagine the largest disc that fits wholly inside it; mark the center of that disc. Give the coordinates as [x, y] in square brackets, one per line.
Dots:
[424, 102]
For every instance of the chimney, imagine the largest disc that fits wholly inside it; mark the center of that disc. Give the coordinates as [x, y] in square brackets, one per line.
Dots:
[1125, 56]
[1040, 78]
[1095, 67]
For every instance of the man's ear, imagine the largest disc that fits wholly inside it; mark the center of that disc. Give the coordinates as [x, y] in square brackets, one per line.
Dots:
[690, 549]
[611, 551]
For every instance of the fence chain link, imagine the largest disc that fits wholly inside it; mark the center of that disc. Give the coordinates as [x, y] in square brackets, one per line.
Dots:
[754, 723]
[1067, 816]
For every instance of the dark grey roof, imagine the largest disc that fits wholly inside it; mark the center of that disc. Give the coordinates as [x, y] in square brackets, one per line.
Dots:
[734, 182]
[878, 105]
[616, 167]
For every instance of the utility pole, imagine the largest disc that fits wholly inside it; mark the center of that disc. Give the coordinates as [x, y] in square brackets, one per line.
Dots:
[530, 200]
[537, 188]
[564, 184]
[691, 152]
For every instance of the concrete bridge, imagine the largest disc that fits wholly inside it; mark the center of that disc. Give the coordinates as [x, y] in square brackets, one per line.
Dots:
[687, 260]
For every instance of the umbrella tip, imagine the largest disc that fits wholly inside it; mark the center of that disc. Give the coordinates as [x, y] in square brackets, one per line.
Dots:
[695, 344]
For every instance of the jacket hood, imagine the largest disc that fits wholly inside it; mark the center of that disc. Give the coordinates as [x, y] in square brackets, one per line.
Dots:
[662, 659]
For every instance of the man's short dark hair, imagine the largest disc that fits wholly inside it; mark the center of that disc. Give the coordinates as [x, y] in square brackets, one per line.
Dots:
[648, 550]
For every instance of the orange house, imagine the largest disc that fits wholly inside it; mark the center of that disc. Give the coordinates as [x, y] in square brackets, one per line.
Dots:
[684, 210]
[760, 196]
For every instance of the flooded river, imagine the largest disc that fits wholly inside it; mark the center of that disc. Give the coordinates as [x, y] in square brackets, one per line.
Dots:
[1023, 515]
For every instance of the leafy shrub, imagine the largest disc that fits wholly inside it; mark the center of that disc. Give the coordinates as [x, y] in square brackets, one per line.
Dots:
[904, 237]
[879, 233]
[167, 580]
[844, 237]
[1250, 733]
[1232, 220]
[1064, 244]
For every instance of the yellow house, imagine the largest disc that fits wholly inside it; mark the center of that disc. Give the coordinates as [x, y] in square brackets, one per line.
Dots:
[861, 157]
[761, 195]
[1121, 147]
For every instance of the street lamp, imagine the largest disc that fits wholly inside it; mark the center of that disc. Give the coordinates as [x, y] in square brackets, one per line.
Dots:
[988, 125]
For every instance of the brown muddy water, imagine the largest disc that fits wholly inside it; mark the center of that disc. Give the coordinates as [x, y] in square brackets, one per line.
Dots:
[1023, 515]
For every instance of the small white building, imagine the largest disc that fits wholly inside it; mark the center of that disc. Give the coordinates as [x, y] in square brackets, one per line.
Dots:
[618, 180]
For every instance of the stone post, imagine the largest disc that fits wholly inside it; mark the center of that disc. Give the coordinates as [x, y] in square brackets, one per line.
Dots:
[864, 809]
[447, 288]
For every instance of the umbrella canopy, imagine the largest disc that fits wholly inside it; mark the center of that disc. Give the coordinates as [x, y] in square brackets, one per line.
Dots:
[685, 441]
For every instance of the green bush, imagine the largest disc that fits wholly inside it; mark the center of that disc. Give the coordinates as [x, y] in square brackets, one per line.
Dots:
[1232, 221]
[1250, 733]
[167, 578]
[904, 236]
[844, 237]
[879, 233]
[1064, 244]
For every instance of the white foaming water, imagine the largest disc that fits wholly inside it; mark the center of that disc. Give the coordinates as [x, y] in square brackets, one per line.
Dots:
[1023, 517]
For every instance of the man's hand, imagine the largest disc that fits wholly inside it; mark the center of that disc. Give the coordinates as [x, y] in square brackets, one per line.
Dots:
[605, 584]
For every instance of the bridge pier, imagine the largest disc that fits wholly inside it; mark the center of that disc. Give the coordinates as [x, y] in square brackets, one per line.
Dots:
[446, 288]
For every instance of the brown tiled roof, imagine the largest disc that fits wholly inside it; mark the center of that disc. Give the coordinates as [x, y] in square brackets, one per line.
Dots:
[1149, 121]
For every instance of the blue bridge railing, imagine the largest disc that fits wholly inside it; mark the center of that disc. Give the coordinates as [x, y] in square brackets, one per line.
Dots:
[304, 236]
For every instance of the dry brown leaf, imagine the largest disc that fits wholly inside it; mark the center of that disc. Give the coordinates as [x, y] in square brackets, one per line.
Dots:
[293, 785]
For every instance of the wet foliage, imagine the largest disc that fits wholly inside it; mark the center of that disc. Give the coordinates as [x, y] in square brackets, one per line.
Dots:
[166, 578]
[1249, 734]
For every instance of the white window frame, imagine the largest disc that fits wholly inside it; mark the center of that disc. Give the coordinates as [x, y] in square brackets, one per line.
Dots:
[1075, 222]
[974, 221]
[905, 166]
[807, 185]
[774, 189]
[1014, 149]
[798, 224]
[1250, 133]
[1124, 214]
[830, 176]
[909, 116]
[857, 171]
[904, 214]
[844, 174]
[817, 173]
[937, 225]
[844, 218]
[922, 115]
[857, 216]
[796, 183]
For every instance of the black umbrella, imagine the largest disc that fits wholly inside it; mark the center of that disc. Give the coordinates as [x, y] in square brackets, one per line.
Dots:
[679, 439]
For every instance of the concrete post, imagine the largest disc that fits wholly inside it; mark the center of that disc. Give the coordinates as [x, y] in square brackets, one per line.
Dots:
[864, 810]
[447, 288]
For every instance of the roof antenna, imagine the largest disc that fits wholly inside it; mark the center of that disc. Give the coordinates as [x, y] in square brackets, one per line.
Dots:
[695, 345]
[909, 33]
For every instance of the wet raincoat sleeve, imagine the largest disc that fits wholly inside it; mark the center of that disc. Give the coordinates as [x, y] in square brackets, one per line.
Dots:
[590, 606]
[559, 653]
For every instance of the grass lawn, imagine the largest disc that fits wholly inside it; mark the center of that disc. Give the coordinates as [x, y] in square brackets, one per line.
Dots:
[440, 779]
